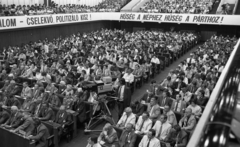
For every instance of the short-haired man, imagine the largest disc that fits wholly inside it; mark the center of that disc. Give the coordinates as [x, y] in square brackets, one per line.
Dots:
[127, 117]
[144, 124]
[150, 140]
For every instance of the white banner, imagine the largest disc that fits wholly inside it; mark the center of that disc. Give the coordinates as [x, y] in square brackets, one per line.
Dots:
[44, 20]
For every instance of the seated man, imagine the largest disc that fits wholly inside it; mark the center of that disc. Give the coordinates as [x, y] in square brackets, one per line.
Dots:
[26, 91]
[150, 140]
[154, 109]
[4, 115]
[188, 122]
[128, 137]
[14, 120]
[171, 117]
[108, 136]
[28, 105]
[92, 142]
[46, 113]
[178, 105]
[63, 118]
[162, 128]
[28, 126]
[177, 137]
[144, 124]
[127, 117]
[41, 135]
[12, 101]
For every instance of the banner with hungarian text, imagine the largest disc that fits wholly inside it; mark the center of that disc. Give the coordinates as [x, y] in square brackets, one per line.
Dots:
[56, 19]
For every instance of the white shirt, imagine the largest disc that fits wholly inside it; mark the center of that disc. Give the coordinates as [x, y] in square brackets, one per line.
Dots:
[195, 110]
[155, 60]
[147, 125]
[95, 145]
[128, 77]
[192, 61]
[154, 142]
[130, 119]
[166, 127]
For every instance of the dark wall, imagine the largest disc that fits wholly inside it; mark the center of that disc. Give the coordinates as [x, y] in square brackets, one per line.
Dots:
[17, 37]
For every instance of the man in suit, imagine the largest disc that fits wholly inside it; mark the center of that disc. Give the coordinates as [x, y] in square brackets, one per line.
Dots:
[192, 87]
[162, 128]
[188, 122]
[26, 91]
[127, 117]
[11, 89]
[36, 91]
[4, 115]
[108, 137]
[62, 118]
[171, 117]
[154, 109]
[138, 108]
[150, 140]
[28, 105]
[128, 137]
[165, 99]
[14, 120]
[28, 126]
[42, 134]
[178, 105]
[124, 97]
[144, 124]
[46, 113]
[12, 101]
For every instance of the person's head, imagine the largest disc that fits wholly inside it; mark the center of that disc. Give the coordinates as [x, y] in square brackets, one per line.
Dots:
[193, 102]
[145, 115]
[108, 127]
[163, 118]
[153, 82]
[45, 105]
[128, 111]
[37, 121]
[188, 112]
[129, 70]
[122, 81]
[153, 101]
[176, 129]
[166, 108]
[26, 115]
[151, 133]
[92, 140]
[178, 97]
[200, 93]
[129, 127]
[25, 84]
[62, 108]
[14, 109]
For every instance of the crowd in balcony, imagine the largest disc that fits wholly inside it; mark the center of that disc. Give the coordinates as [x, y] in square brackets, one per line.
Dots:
[178, 6]
[20, 10]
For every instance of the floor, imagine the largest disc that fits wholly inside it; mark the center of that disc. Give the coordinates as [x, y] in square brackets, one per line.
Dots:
[81, 139]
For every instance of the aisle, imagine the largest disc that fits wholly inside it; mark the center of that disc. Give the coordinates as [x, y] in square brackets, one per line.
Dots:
[81, 139]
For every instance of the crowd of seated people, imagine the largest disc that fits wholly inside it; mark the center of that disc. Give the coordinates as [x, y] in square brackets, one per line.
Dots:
[178, 6]
[21, 10]
[174, 106]
[45, 80]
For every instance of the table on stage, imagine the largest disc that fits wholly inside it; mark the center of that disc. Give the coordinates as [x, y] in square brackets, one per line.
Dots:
[9, 139]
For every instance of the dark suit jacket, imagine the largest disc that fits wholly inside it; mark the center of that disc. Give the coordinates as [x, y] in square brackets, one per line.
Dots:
[14, 120]
[42, 135]
[168, 101]
[62, 117]
[47, 114]
[4, 115]
[131, 139]
[28, 126]
[127, 94]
